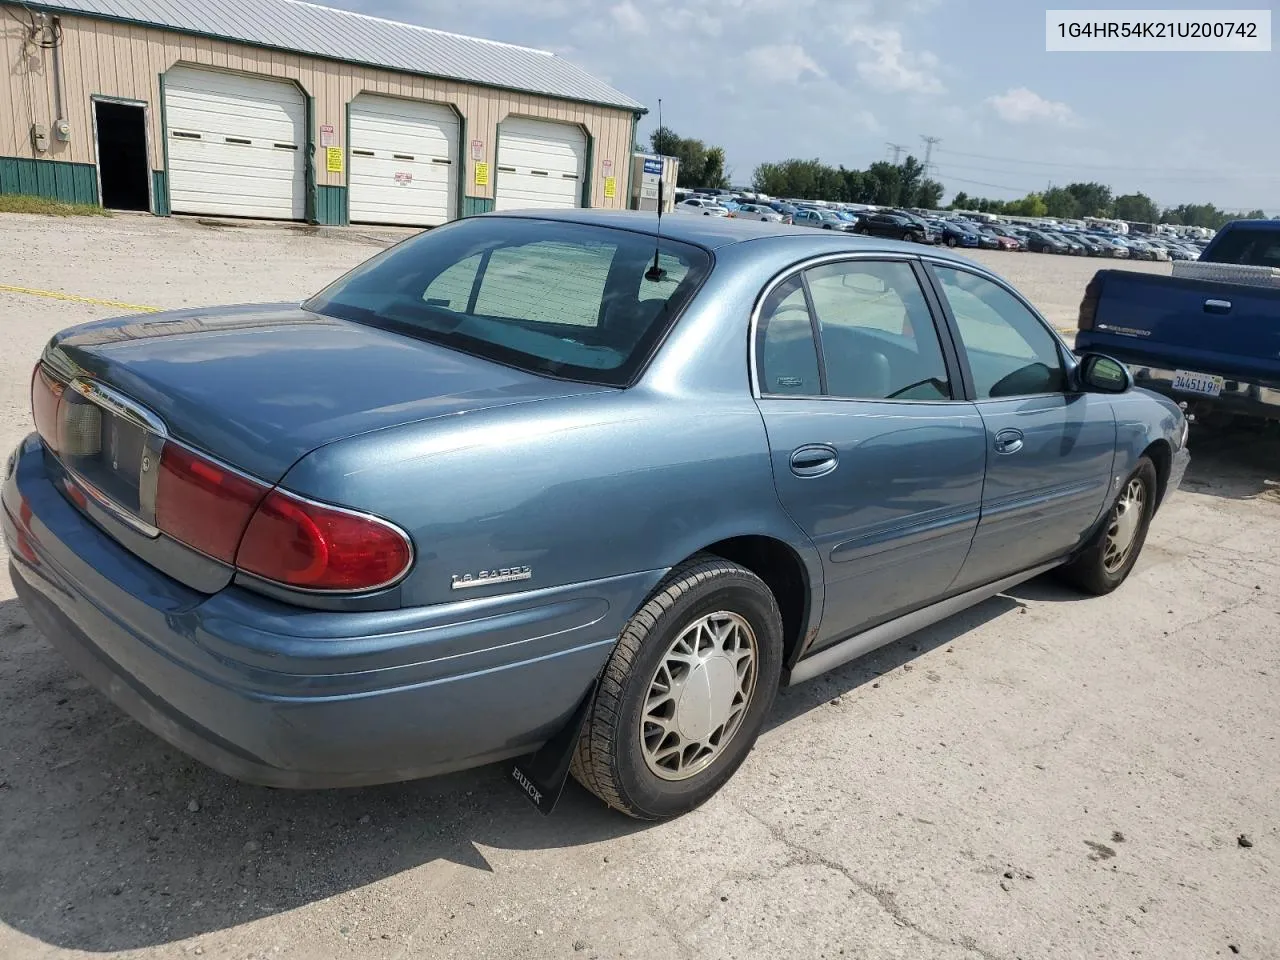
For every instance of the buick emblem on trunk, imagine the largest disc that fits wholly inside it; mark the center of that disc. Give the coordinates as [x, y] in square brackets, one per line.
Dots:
[483, 578]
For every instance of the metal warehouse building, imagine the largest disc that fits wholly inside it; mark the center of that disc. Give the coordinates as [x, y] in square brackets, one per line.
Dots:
[287, 110]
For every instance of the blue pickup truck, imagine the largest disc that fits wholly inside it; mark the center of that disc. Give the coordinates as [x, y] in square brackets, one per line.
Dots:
[1211, 343]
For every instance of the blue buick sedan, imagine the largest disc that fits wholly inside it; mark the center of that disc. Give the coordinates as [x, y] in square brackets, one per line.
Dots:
[576, 487]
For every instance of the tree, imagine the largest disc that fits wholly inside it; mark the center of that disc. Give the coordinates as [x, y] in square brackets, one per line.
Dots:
[960, 201]
[1032, 205]
[1092, 199]
[929, 194]
[693, 156]
[713, 172]
[1060, 202]
[1137, 207]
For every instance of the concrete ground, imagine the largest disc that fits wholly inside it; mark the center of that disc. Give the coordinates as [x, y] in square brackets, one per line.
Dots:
[1043, 776]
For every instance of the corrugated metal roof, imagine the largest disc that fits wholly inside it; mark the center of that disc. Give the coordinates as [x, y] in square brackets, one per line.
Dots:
[359, 38]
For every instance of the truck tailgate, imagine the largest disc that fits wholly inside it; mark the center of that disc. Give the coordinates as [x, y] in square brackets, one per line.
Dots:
[1232, 330]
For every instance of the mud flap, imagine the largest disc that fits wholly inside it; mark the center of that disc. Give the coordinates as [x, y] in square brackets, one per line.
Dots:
[541, 776]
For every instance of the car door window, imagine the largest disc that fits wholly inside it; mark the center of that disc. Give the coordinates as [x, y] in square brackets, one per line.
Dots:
[879, 341]
[786, 352]
[1011, 352]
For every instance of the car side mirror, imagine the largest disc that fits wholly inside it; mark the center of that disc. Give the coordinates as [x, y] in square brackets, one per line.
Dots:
[1098, 373]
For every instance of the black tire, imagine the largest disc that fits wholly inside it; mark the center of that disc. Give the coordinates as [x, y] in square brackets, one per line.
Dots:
[1087, 572]
[609, 760]
[861, 231]
[951, 241]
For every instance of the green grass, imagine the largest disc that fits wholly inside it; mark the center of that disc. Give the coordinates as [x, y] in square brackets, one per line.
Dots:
[17, 203]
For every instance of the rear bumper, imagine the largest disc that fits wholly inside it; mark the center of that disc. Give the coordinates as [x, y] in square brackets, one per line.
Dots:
[1238, 396]
[274, 695]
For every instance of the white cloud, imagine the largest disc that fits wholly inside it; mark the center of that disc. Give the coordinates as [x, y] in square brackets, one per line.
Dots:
[888, 66]
[1020, 105]
[782, 63]
[628, 16]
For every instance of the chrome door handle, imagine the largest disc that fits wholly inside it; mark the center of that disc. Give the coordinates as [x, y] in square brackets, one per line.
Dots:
[1008, 441]
[1217, 306]
[814, 460]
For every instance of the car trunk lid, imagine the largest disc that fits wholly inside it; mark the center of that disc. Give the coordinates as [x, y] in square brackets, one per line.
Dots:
[255, 388]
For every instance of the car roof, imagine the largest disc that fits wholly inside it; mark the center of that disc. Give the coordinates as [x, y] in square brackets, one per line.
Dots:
[715, 232]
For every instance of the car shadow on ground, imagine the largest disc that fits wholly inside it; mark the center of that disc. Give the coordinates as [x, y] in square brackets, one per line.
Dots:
[111, 840]
[1237, 462]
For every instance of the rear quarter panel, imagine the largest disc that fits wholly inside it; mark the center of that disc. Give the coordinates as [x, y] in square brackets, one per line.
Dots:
[578, 490]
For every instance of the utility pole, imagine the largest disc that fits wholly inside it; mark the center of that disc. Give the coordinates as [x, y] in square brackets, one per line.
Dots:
[897, 149]
[929, 144]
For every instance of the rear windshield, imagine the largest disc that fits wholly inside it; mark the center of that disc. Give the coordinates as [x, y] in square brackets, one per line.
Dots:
[562, 299]
[1247, 246]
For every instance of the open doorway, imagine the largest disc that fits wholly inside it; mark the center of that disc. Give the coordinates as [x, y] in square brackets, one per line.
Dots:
[123, 166]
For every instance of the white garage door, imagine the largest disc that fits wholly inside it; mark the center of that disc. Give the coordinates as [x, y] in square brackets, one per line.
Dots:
[540, 164]
[404, 162]
[236, 145]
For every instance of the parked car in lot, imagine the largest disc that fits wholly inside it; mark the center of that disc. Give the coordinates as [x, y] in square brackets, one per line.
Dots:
[1111, 245]
[756, 211]
[894, 226]
[822, 219]
[1005, 241]
[701, 206]
[1091, 246]
[956, 234]
[553, 482]
[1073, 246]
[1016, 241]
[1141, 250]
[1044, 242]
[1213, 341]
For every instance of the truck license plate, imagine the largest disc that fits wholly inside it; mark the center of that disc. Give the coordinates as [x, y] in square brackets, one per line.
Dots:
[1202, 383]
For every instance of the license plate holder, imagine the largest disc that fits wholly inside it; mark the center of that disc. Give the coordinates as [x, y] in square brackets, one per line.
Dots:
[1201, 384]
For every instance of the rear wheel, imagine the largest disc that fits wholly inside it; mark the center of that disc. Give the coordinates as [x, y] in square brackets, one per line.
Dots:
[951, 241]
[685, 692]
[1109, 557]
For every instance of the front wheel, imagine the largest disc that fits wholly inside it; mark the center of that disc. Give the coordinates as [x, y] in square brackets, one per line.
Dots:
[685, 692]
[1109, 557]
[951, 241]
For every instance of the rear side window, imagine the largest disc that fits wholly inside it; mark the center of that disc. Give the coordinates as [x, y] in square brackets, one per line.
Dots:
[1247, 246]
[785, 348]
[563, 299]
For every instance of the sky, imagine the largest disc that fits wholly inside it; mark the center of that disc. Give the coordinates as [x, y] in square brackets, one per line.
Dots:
[840, 79]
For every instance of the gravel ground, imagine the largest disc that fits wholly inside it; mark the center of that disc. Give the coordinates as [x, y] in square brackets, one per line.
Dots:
[1042, 776]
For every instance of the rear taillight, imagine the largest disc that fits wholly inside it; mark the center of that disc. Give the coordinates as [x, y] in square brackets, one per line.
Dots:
[273, 534]
[314, 547]
[46, 394]
[1089, 305]
[203, 504]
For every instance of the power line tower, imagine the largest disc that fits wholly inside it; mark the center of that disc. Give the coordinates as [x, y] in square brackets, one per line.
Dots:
[897, 149]
[929, 144]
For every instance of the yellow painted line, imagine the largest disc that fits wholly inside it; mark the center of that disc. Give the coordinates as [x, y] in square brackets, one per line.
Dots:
[96, 301]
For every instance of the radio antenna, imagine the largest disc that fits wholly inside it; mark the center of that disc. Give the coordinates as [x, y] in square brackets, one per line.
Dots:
[655, 273]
